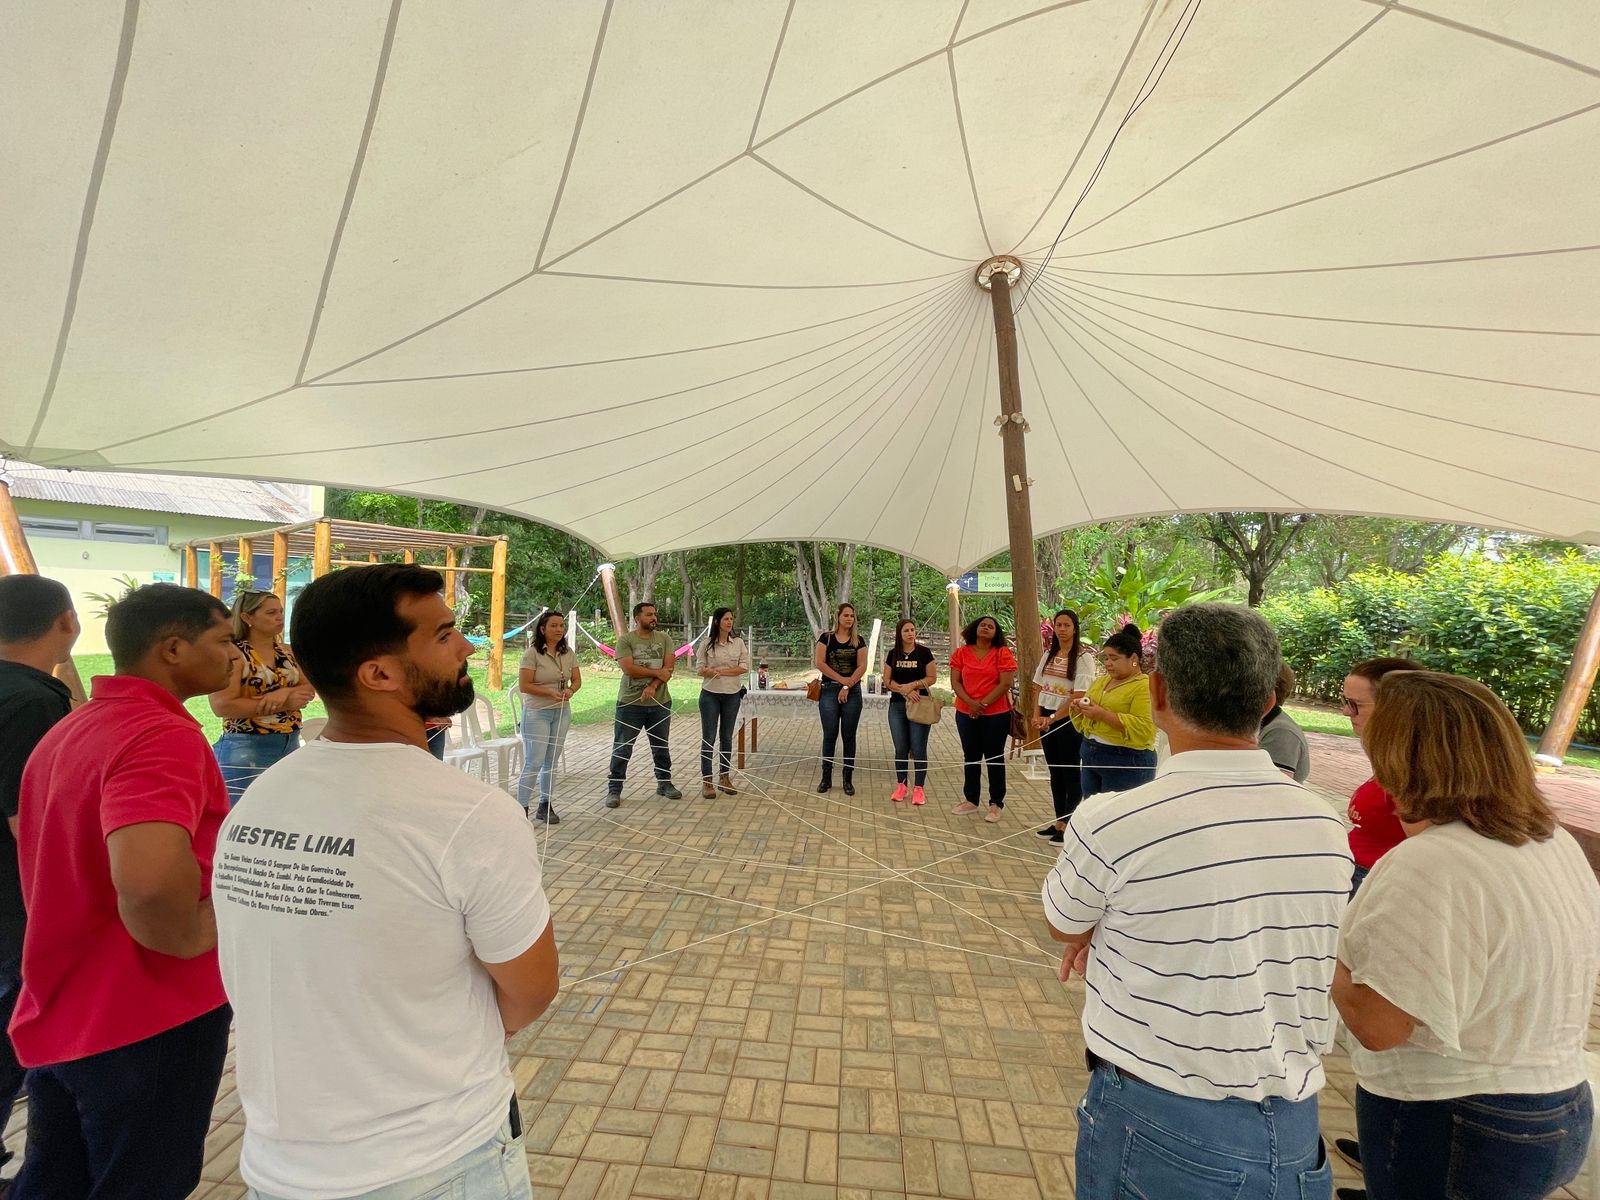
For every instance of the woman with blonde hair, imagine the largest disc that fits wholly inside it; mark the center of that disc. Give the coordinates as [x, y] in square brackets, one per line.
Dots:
[261, 705]
[1468, 960]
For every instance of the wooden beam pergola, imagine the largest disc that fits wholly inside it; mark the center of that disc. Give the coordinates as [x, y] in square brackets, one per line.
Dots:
[331, 543]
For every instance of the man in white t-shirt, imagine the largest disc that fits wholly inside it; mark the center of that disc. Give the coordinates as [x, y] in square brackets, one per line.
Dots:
[382, 923]
[1202, 909]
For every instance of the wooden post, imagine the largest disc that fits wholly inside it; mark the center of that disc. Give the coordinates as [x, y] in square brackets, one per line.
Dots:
[497, 616]
[191, 566]
[410, 555]
[608, 584]
[247, 562]
[1574, 692]
[16, 558]
[280, 565]
[214, 577]
[322, 549]
[450, 576]
[998, 274]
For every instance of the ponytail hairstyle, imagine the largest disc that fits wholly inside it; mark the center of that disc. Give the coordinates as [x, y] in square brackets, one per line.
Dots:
[1128, 642]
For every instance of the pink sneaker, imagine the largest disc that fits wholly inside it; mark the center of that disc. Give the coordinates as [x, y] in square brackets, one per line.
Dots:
[917, 797]
[899, 793]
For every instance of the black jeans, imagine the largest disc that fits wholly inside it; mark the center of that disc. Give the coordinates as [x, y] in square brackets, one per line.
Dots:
[11, 1071]
[910, 743]
[836, 719]
[1062, 744]
[129, 1124]
[656, 721]
[983, 744]
[717, 709]
[1511, 1147]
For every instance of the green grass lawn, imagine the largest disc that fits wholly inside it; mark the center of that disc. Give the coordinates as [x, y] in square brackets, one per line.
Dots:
[593, 705]
[1329, 720]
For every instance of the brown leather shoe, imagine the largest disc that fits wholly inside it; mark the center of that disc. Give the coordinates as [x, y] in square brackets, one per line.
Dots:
[725, 786]
[706, 790]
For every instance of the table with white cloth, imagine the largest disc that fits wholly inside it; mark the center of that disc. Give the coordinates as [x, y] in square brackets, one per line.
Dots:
[789, 702]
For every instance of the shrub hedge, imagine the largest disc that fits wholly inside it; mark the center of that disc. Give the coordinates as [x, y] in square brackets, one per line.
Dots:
[1510, 623]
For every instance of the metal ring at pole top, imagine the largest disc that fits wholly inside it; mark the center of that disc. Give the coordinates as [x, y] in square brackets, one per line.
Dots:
[1000, 262]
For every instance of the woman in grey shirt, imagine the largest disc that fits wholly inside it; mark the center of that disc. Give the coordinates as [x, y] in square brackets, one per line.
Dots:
[724, 663]
[548, 678]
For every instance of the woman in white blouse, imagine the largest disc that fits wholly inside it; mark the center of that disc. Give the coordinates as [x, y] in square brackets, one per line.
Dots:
[1064, 674]
[724, 663]
[1468, 959]
[548, 679]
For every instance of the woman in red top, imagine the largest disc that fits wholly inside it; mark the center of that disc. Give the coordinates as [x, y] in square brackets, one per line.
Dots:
[981, 673]
[1374, 828]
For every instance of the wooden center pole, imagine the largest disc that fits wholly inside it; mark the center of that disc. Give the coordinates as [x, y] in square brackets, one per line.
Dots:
[1574, 692]
[608, 584]
[1019, 514]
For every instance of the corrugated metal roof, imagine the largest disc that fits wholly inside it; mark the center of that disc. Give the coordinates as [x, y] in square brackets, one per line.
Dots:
[239, 499]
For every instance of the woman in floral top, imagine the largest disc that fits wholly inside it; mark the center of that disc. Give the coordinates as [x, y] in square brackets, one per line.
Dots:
[262, 702]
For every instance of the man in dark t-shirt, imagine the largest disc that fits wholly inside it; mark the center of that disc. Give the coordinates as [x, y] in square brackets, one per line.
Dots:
[37, 629]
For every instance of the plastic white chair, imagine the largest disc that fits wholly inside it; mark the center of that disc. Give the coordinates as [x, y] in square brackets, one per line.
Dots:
[505, 753]
[514, 701]
[460, 753]
[311, 728]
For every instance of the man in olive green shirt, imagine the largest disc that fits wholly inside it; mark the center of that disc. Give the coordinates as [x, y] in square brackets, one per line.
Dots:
[646, 657]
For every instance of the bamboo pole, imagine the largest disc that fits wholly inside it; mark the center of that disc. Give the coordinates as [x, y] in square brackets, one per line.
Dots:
[214, 576]
[191, 566]
[16, 558]
[1574, 692]
[280, 565]
[450, 576]
[497, 616]
[999, 274]
[247, 561]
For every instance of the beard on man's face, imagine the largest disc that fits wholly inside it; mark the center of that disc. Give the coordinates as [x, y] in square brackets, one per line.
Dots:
[438, 696]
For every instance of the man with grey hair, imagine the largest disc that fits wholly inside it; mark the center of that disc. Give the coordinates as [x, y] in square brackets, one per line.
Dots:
[1202, 910]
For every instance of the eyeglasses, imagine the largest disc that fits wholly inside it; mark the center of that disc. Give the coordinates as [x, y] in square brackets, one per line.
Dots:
[1353, 707]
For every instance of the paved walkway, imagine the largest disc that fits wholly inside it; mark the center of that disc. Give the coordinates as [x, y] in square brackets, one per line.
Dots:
[786, 996]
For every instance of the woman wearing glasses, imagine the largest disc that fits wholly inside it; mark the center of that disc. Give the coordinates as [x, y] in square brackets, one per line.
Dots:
[261, 705]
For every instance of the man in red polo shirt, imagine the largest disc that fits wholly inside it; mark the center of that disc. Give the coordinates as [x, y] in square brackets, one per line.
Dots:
[1374, 828]
[122, 1017]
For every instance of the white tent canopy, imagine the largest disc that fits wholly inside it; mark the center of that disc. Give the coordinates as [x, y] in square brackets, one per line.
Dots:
[669, 273]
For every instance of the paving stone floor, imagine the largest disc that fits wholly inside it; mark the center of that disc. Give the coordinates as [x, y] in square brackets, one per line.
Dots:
[787, 996]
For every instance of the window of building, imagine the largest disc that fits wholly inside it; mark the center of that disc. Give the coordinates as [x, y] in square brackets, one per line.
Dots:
[95, 531]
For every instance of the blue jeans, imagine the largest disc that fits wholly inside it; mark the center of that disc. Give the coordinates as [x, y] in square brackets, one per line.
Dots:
[243, 756]
[719, 716]
[656, 721]
[1473, 1147]
[983, 744]
[496, 1170]
[1357, 877]
[128, 1124]
[836, 719]
[544, 732]
[910, 742]
[1114, 768]
[1135, 1140]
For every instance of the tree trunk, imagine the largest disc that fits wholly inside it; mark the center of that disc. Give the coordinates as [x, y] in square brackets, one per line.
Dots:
[463, 598]
[690, 625]
[1255, 543]
[1047, 566]
[812, 577]
[905, 587]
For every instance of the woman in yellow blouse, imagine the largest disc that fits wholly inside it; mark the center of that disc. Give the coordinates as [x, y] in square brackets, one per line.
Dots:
[1119, 733]
[262, 702]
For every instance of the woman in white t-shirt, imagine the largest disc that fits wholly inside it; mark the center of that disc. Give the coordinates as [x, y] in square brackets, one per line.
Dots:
[724, 663]
[1468, 959]
[548, 679]
[1064, 674]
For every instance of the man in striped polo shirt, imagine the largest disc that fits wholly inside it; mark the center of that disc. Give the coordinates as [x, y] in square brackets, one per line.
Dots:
[1203, 911]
